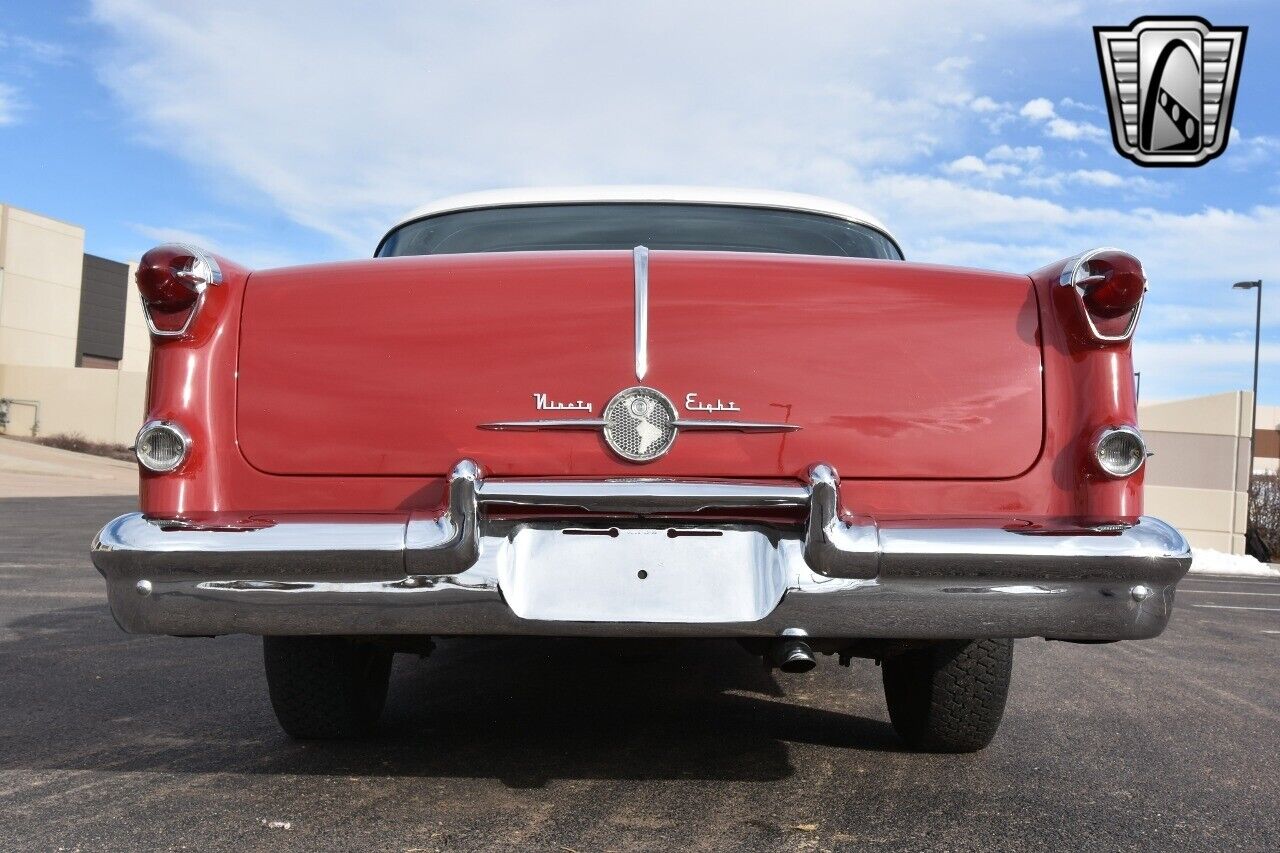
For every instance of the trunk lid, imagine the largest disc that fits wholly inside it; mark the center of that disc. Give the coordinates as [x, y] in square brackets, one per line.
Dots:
[389, 366]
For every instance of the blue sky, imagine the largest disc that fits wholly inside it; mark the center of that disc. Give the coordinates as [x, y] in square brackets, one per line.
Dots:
[290, 132]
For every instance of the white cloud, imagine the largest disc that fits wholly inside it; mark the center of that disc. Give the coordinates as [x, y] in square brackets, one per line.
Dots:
[343, 121]
[255, 255]
[954, 64]
[1021, 154]
[1198, 365]
[1061, 128]
[1098, 178]
[971, 165]
[1079, 105]
[32, 49]
[1250, 152]
[8, 104]
[1041, 111]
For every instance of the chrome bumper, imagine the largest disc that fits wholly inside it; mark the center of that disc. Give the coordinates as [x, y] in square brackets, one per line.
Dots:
[465, 570]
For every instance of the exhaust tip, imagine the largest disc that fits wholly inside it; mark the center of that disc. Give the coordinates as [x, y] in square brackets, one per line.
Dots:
[793, 656]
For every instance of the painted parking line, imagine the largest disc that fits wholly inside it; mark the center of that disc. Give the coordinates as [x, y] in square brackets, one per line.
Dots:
[1245, 579]
[1237, 607]
[1229, 592]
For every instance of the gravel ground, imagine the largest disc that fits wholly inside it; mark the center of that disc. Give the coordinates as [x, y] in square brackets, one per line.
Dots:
[110, 741]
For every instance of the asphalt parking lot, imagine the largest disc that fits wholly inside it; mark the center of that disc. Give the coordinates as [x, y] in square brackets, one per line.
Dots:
[110, 741]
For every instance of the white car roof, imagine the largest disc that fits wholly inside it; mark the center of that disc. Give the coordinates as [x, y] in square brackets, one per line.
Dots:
[679, 194]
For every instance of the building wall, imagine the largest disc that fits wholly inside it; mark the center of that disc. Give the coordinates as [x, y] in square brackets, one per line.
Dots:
[49, 323]
[41, 261]
[100, 405]
[104, 287]
[1267, 458]
[137, 339]
[1198, 477]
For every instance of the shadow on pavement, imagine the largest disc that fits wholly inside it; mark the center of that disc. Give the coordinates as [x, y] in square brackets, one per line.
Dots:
[80, 695]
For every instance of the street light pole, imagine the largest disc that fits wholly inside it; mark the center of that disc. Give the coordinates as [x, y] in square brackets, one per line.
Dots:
[1257, 347]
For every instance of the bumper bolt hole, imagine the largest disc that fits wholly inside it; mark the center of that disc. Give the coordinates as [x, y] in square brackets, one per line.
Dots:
[642, 574]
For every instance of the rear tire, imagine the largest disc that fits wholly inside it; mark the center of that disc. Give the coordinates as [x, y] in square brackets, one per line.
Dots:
[326, 688]
[950, 696]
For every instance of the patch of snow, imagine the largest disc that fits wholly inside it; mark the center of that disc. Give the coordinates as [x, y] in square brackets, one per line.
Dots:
[1206, 561]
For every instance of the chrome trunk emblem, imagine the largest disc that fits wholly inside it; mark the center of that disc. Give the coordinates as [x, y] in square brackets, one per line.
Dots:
[640, 424]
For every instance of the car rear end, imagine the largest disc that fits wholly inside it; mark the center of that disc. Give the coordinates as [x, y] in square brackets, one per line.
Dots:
[812, 453]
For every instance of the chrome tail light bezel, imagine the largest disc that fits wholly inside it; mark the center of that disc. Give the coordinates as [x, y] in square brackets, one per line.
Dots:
[1074, 271]
[194, 278]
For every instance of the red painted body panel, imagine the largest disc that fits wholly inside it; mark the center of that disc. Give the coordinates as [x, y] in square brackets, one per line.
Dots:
[916, 339]
[890, 370]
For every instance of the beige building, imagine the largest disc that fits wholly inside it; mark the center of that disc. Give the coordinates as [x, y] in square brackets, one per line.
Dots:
[1267, 458]
[73, 341]
[1199, 476]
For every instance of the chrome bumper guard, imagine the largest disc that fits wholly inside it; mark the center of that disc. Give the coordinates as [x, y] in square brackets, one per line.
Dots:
[464, 570]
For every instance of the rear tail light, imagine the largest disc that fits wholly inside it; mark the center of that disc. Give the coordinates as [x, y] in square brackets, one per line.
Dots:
[161, 446]
[1109, 285]
[173, 279]
[1120, 451]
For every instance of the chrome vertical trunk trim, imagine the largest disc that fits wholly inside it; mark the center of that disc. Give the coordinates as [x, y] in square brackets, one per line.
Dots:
[640, 260]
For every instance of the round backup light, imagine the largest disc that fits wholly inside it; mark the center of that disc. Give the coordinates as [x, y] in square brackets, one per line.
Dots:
[161, 446]
[1120, 451]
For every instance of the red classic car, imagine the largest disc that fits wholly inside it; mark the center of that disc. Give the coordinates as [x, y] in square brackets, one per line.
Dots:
[649, 412]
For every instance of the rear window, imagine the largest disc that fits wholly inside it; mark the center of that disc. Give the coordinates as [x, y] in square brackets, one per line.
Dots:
[697, 227]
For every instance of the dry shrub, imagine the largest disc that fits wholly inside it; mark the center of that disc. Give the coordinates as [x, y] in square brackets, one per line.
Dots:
[77, 442]
[1264, 513]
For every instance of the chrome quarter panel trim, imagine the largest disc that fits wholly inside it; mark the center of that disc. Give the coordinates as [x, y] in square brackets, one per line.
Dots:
[640, 263]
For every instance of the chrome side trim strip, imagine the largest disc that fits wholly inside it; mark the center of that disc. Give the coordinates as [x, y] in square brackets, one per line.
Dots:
[692, 424]
[739, 426]
[640, 261]
[549, 423]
